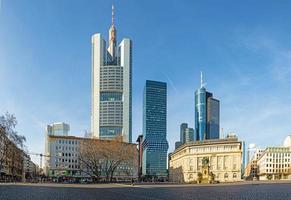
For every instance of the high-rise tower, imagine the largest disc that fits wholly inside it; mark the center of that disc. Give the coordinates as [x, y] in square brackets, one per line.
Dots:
[206, 114]
[111, 112]
[155, 145]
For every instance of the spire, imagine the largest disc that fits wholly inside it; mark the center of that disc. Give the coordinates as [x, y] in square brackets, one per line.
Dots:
[202, 84]
[201, 79]
[112, 13]
[112, 36]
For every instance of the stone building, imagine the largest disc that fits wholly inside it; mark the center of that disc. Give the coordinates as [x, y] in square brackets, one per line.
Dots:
[11, 159]
[205, 161]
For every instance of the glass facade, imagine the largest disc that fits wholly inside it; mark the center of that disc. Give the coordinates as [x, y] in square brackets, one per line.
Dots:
[111, 96]
[155, 143]
[58, 128]
[183, 127]
[189, 135]
[110, 132]
[200, 113]
[186, 133]
[206, 115]
[213, 118]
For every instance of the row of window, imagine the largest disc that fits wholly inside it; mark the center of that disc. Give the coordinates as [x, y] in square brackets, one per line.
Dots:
[67, 160]
[278, 154]
[278, 160]
[66, 148]
[278, 165]
[72, 142]
[68, 166]
[68, 154]
[277, 170]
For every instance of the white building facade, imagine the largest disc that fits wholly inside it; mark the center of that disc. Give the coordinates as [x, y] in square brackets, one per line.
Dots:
[221, 158]
[64, 159]
[275, 163]
[111, 111]
[53, 129]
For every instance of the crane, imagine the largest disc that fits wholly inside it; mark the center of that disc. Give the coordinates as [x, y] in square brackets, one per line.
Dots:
[40, 156]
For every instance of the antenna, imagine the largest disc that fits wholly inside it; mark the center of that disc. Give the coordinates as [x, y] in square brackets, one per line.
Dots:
[222, 133]
[201, 79]
[112, 14]
[202, 84]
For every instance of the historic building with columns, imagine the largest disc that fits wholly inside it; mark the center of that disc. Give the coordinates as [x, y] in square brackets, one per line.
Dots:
[207, 161]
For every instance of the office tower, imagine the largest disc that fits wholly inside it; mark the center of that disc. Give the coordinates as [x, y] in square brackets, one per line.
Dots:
[213, 118]
[189, 135]
[58, 129]
[183, 127]
[178, 144]
[206, 114]
[186, 134]
[111, 86]
[155, 145]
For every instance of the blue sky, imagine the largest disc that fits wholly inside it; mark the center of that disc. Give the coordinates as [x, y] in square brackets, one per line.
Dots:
[243, 48]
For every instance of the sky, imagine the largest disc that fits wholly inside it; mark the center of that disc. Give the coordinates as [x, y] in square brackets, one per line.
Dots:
[242, 47]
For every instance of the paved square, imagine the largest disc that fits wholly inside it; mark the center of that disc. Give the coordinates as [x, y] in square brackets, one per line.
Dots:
[280, 191]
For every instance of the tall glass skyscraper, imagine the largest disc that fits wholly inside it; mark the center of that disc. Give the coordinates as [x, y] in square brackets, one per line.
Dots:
[111, 86]
[206, 114]
[189, 135]
[183, 128]
[155, 145]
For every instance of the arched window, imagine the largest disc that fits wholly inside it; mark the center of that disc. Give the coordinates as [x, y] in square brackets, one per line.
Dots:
[234, 175]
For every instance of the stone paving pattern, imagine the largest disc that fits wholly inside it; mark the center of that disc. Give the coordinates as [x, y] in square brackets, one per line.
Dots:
[277, 191]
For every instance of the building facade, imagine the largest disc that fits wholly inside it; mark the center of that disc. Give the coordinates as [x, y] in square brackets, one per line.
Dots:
[189, 135]
[275, 163]
[183, 128]
[31, 170]
[58, 128]
[207, 111]
[111, 112]
[64, 159]
[205, 161]
[53, 129]
[11, 159]
[155, 145]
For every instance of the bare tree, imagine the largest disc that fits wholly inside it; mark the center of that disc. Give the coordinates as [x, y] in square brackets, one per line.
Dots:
[105, 156]
[8, 123]
[90, 158]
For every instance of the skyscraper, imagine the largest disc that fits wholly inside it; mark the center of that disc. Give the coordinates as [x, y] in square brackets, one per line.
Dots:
[186, 135]
[189, 135]
[58, 129]
[206, 114]
[111, 112]
[155, 145]
[183, 127]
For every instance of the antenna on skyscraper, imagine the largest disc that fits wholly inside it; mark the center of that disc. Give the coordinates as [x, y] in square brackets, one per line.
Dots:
[202, 84]
[112, 18]
[222, 133]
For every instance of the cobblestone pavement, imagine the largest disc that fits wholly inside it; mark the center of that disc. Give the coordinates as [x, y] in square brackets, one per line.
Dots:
[278, 191]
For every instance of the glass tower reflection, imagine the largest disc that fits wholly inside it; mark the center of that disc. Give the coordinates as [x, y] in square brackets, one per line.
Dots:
[155, 144]
[206, 115]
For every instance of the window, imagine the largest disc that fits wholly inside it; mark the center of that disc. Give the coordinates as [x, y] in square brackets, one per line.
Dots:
[234, 175]
[225, 175]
